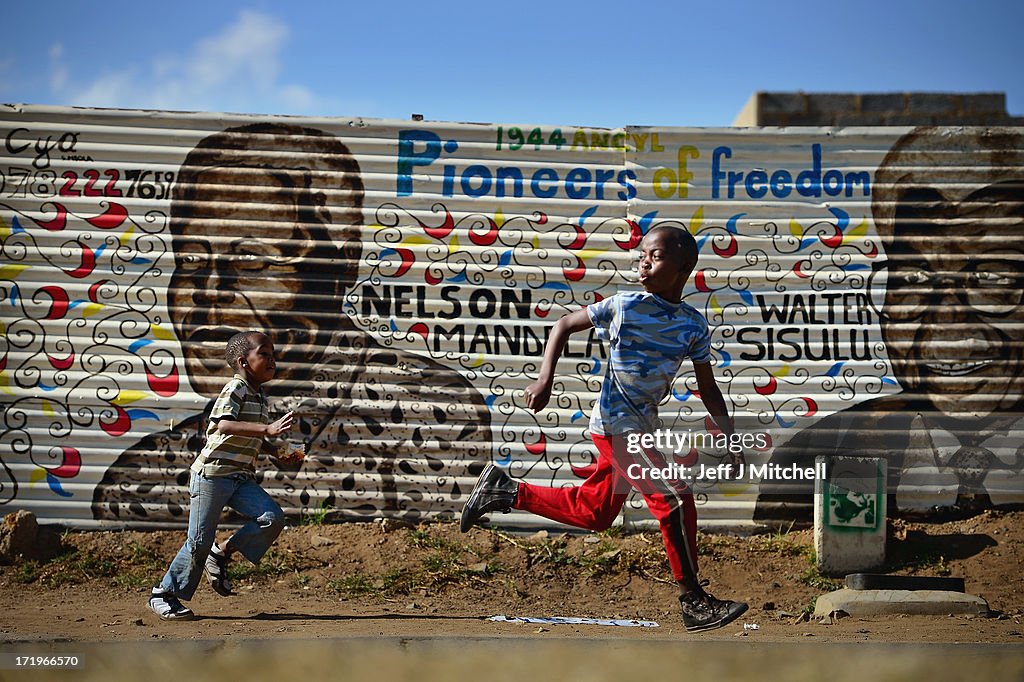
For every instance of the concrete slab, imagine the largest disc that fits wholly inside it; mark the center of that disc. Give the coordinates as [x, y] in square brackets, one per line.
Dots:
[910, 602]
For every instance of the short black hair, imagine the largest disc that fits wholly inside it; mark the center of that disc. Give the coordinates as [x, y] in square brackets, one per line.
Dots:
[239, 345]
[683, 243]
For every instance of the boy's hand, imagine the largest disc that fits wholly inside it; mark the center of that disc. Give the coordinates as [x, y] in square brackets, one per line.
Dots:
[289, 453]
[537, 395]
[281, 425]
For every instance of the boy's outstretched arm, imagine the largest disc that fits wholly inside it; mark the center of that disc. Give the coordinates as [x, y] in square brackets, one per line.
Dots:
[539, 392]
[712, 398]
[233, 427]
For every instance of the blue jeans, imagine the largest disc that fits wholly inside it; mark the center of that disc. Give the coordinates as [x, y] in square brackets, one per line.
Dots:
[208, 497]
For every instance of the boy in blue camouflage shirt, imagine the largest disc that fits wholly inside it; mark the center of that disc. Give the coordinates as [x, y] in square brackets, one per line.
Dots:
[650, 333]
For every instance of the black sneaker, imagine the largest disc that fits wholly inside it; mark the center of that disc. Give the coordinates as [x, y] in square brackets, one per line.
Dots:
[494, 491]
[167, 606]
[702, 612]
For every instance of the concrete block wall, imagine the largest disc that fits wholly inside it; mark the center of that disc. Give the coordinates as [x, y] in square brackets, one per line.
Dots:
[875, 109]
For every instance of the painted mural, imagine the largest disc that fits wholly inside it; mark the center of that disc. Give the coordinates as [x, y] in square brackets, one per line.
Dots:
[949, 208]
[862, 287]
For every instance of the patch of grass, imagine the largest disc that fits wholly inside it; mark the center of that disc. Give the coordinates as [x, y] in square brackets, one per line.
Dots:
[130, 565]
[421, 537]
[780, 543]
[601, 558]
[393, 583]
[926, 561]
[813, 577]
[275, 563]
[613, 532]
[317, 517]
[397, 581]
[597, 559]
[448, 561]
[555, 553]
[711, 545]
[353, 585]
[28, 572]
[547, 552]
[141, 565]
[648, 561]
[445, 565]
[445, 562]
[71, 568]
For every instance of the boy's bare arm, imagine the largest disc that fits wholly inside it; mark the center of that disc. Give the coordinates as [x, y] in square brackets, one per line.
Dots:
[712, 398]
[232, 427]
[539, 392]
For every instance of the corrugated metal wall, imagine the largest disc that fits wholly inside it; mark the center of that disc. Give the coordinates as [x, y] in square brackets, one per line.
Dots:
[862, 285]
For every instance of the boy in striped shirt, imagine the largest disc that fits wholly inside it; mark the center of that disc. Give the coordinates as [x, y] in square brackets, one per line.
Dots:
[224, 475]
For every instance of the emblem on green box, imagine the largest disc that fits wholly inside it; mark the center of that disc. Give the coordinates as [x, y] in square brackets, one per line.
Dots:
[853, 495]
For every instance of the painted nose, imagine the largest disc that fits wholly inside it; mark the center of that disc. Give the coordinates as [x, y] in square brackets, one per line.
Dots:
[214, 287]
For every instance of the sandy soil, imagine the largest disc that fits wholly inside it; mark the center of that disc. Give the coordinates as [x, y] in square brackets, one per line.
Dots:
[386, 580]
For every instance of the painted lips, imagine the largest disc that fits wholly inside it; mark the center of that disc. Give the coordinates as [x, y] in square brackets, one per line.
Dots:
[956, 369]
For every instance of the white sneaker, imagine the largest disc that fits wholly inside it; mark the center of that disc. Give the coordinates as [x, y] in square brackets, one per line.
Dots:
[217, 572]
[167, 606]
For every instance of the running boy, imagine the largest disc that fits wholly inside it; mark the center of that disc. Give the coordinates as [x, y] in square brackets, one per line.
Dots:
[649, 334]
[224, 474]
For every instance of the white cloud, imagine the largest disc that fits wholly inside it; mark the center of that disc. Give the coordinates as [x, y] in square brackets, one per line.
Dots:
[58, 72]
[247, 51]
[297, 98]
[109, 90]
[238, 69]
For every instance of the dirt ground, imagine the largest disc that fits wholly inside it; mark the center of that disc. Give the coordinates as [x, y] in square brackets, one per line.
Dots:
[354, 580]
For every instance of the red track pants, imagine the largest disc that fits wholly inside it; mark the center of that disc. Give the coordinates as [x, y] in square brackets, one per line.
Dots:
[596, 502]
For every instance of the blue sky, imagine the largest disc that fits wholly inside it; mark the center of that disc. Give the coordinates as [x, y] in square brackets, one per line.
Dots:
[595, 63]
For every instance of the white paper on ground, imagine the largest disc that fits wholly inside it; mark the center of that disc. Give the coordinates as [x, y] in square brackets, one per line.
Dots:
[566, 620]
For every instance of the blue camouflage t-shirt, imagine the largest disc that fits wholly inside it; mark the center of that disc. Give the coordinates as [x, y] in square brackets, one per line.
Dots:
[648, 339]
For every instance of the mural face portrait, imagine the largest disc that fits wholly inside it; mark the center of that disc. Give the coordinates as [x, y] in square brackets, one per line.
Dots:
[950, 208]
[265, 221]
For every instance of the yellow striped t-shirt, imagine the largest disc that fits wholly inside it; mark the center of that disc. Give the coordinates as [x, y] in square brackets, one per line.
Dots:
[241, 402]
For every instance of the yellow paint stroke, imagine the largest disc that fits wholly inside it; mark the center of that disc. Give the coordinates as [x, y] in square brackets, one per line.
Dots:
[48, 408]
[126, 236]
[499, 218]
[161, 333]
[587, 254]
[714, 304]
[11, 272]
[5, 229]
[697, 221]
[479, 360]
[795, 228]
[732, 488]
[36, 476]
[91, 309]
[858, 232]
[414, 240]
[782, 372]
[453, 245]
[125, 397]
[536, 242]
[5, 382]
